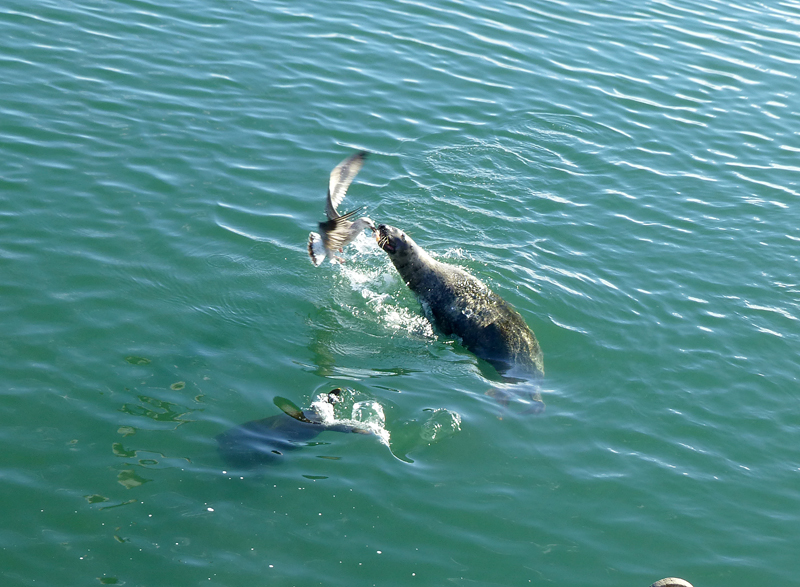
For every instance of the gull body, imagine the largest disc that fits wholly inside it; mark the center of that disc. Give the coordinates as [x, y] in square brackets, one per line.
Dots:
[338, 230]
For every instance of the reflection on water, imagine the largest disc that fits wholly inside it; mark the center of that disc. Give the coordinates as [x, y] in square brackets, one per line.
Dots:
[158, 410]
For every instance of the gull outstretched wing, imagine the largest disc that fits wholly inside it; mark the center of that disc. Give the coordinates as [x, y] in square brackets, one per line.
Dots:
[341, 178]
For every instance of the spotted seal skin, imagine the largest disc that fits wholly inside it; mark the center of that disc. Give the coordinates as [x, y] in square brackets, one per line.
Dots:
[461, 305]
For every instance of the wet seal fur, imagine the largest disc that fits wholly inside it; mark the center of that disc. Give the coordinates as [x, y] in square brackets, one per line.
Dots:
[266, 441]
[461, 305]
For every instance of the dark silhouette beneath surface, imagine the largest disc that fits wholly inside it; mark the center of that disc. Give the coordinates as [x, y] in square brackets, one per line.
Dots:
[266, 441]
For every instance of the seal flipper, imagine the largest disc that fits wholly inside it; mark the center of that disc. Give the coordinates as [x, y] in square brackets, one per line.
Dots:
[290, 409]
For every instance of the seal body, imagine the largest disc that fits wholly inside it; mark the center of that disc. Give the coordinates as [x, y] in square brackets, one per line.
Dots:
[463, 306]
[266, 441]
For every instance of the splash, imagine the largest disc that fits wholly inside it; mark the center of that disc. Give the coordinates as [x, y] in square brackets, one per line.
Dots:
[369, 274]
[364, 414]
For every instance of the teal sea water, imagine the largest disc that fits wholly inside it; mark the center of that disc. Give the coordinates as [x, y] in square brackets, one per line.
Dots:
[625, 174]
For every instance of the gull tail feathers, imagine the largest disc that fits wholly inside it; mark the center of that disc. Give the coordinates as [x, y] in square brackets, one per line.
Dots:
[316, 250]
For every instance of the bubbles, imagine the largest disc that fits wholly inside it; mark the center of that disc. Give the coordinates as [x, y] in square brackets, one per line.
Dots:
[440, 425]
[369, 411]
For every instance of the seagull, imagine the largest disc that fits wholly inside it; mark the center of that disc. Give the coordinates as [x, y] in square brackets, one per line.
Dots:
[338, 230]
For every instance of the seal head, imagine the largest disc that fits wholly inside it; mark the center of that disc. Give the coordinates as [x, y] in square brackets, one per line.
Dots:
[413, 264]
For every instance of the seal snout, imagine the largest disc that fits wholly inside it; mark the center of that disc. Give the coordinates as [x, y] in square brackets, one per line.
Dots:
[383, 238]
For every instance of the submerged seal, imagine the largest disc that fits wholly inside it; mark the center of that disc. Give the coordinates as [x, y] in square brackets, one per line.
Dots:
[265, 441]
[338, 230]
[461, 305]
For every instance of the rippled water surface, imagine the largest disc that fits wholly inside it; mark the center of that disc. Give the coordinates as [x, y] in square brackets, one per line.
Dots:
[626, 175]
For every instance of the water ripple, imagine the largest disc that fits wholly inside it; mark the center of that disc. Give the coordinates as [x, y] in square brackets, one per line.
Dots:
[624, 175]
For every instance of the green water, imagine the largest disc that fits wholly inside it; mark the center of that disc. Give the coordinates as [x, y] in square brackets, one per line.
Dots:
[626, 175]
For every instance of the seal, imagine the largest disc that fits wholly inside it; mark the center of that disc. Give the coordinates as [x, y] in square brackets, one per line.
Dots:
[338, 231]
[266, 441]
[463, 306]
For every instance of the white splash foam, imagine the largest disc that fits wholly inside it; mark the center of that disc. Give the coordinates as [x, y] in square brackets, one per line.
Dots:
[368, 273]
[365, 414]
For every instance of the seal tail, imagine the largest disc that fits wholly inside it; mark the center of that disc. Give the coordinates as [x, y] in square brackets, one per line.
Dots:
[316, 250]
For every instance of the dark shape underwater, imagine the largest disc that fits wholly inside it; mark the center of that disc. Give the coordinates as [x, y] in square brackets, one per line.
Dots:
[266, 441]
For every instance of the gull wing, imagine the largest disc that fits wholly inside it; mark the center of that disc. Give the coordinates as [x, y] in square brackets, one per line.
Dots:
[341, 178]
[337, 230]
